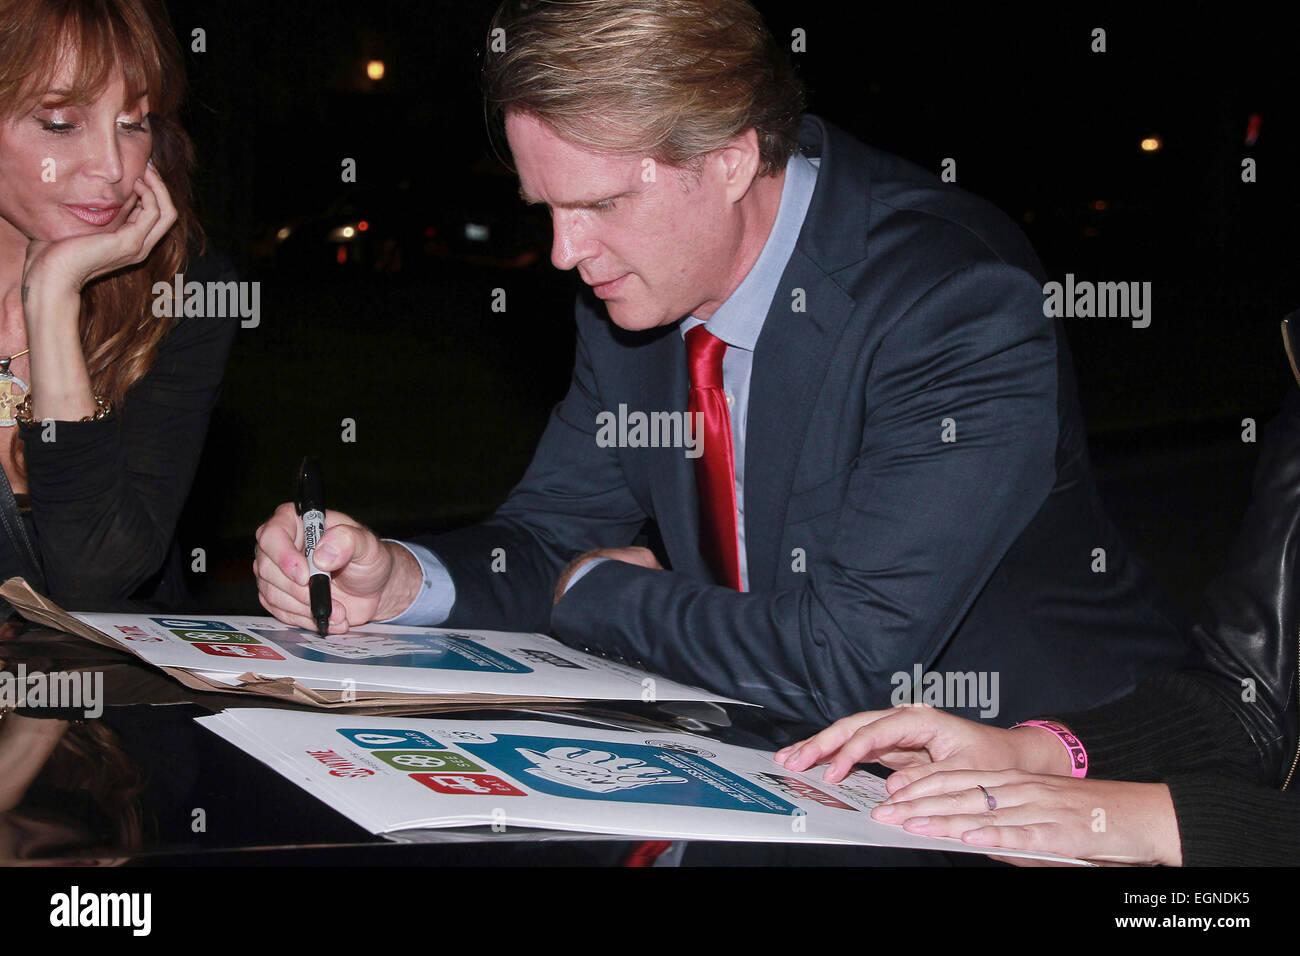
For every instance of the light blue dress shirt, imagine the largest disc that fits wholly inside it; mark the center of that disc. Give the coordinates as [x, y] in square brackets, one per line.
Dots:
[738, 322]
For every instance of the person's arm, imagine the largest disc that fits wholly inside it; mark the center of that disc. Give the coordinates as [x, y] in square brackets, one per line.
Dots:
[25, 745]
[1170, 723]
[924, 524]
[1174, 773]
[1216, 817]
[1173, 778]
[1226, 821]
[1177, 729]
[106, 494]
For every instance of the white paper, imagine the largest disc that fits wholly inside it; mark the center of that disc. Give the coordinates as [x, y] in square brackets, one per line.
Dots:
[386, 658]
[397, 773]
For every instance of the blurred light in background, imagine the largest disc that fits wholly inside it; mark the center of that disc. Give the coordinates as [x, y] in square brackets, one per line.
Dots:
[1252, 128]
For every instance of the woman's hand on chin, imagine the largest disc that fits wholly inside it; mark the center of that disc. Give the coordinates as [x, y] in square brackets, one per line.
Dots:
[66, 265]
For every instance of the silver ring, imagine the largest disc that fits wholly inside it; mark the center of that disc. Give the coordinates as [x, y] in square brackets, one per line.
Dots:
[989, 798]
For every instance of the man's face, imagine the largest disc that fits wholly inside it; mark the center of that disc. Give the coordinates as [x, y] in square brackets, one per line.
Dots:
[655, 244]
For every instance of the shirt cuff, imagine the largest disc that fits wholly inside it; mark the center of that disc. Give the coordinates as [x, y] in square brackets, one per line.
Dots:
[578, 574]
[437, 594]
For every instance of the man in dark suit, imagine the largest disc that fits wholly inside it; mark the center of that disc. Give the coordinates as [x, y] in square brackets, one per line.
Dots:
[821, 380]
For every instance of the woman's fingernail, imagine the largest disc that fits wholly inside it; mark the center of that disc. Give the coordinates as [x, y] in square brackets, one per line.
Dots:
[917, 822]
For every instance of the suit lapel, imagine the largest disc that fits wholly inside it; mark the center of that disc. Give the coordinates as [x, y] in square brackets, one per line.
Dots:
[790, 362]
[795, 348]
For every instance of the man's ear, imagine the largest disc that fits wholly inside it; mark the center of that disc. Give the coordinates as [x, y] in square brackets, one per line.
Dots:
[740, 161]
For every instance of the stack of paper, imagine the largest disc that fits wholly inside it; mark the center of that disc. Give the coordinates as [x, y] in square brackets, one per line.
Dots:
[377, 663]
[381, 659]
[398, 774]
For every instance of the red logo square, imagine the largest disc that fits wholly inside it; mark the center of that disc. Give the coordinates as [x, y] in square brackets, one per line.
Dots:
[465, 784]
[241, 650]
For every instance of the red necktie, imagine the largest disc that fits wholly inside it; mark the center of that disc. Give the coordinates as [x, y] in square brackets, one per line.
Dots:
[715, 469]
[715, 476]
[645, 854]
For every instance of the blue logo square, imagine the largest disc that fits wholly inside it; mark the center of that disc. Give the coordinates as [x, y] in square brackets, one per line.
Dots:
[387, 739]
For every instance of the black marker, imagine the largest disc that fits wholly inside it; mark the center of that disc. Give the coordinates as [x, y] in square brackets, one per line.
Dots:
[309, 500]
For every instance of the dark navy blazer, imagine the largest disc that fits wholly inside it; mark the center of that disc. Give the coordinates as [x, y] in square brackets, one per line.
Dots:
[874, 544]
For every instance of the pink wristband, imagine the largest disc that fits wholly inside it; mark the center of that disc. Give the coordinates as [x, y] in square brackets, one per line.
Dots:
[1078, 756]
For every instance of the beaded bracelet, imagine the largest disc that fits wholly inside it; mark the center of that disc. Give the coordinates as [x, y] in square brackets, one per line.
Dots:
[1072, 744]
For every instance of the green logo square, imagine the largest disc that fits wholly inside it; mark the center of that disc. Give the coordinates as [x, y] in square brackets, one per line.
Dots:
[215, 637]
[427, 761]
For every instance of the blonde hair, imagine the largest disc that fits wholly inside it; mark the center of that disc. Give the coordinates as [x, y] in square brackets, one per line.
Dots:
[119, 333]
[669, 79]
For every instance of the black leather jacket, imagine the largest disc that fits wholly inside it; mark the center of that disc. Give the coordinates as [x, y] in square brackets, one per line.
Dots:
[1248, 635]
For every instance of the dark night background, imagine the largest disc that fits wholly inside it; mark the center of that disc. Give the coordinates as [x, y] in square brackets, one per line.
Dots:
[449, 397]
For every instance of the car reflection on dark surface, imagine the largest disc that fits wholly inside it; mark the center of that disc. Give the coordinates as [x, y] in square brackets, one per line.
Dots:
[394, 228]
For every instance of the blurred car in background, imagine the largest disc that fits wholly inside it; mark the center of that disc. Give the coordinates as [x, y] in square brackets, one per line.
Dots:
[475, 217]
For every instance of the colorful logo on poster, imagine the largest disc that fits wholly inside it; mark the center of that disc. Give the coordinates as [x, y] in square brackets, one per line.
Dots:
[215, 637]
[468, 784]
[191, 624]
[429, 761]
[390, 739]
[258, 651]
[596, 771]
[632, 773]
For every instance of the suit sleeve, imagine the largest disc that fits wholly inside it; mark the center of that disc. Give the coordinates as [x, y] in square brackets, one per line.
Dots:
[924, 524]
[106, 495]
[573, 498]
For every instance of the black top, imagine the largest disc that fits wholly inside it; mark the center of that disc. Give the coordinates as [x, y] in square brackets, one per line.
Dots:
[1174, 730]
[106, 495]
[1222, 734]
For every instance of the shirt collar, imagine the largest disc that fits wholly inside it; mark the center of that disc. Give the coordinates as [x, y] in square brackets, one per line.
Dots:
[739, 319]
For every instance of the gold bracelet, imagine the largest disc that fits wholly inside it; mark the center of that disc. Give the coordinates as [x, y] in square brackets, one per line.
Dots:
[23, 413]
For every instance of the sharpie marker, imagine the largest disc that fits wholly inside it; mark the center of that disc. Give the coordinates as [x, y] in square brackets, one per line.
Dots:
[309, 500]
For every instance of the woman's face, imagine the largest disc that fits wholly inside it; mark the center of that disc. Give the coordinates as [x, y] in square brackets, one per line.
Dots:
[69, 171]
